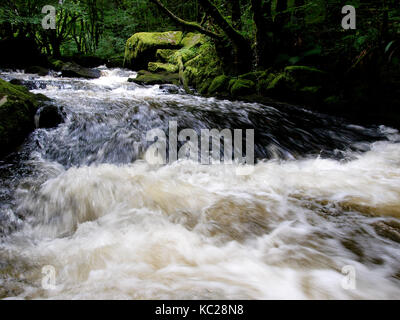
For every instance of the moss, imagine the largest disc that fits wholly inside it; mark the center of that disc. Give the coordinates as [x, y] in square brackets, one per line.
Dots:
[9, 89]
[141, 48]
[281, 85]
[185, 54]
[253, 76]
[162, 67]
[156, 78]
[306, 75]
[206, 65]
[17, 110]
[219, 85]
[231, 83]
[243, 87]
[203, 87]
[311, 94]
[191, 74]
[332, 101]
[264, 82]
[193, 39]
[164, 55]
[56, 64]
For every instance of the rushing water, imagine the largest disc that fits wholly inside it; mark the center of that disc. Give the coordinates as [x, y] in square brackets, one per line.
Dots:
[324, 194]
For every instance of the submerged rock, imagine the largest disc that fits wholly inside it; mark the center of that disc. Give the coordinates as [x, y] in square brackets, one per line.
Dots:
[171, 88]
[17, 111]
[73, 70]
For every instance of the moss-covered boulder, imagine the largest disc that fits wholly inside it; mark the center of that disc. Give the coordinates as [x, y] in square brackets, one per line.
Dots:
[204, 67]
[142, 47]
[162, 67]
[192, 55]
[148, 78]
[219, 85]
[242, 87]
[164, 55]
[193, 40]
[17, 112]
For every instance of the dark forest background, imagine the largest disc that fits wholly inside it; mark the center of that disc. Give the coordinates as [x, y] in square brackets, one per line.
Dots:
[251, 34]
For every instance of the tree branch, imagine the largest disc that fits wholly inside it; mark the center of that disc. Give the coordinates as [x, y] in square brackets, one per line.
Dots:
[231, 33]
[190, 25]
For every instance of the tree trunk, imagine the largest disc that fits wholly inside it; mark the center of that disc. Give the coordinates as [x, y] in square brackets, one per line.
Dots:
[241, 46]
[263, 21]
[236, 14]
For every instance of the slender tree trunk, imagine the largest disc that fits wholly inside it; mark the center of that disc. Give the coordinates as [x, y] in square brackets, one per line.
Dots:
[236, 14]
[263, 21]
[281, 20]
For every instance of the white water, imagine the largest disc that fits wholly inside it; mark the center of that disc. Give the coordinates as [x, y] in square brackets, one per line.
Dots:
[189, 231]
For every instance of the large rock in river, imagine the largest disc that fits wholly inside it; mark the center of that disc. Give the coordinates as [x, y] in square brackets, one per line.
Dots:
[74, 70]
[17, 111]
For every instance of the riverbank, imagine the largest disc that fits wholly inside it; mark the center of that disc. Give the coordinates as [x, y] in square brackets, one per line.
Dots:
[193, 61]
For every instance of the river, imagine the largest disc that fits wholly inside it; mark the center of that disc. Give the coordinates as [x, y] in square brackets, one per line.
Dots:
[323, 197]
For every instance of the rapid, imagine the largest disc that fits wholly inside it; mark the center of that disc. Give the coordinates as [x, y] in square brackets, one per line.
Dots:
[81, 198]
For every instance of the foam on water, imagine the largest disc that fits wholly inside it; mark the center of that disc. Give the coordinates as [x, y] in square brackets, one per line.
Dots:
[190, 231]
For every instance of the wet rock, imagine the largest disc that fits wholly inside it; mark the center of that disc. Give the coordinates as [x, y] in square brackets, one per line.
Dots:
[17, 111]
[29, 84]
[49, 116]
[17, 82]
[388, 229]
[171, 89]
[37, 70]
[148, 78]
[73, 70]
